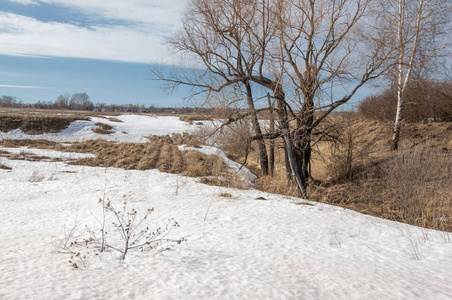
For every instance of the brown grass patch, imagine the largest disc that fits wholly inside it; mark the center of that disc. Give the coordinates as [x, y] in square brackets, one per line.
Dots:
[102, 128]
[161, 153]
[5, 167]
[113, 119]
[192, 118]
[38, 144]
[186, 139]
[413, 185]
[34, 124]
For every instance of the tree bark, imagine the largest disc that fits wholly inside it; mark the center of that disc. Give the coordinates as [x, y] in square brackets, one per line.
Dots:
[271, 154]
[263, 158]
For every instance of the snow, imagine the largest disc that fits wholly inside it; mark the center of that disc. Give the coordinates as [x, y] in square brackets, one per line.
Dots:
[237, 247]
[134, 128]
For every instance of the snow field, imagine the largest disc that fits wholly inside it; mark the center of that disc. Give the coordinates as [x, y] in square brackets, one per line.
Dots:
[237, 248]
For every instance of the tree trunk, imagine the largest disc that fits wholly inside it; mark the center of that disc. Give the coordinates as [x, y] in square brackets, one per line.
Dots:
[303, 137]
[398, 121]
[271, 154]
[263, 158]
[294, 167]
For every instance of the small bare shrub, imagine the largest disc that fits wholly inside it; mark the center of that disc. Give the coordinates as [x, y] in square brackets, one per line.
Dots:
[348, 149]
[36, 177]
[128, 231]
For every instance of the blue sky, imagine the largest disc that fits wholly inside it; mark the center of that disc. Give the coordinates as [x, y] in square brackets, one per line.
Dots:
[103, 48]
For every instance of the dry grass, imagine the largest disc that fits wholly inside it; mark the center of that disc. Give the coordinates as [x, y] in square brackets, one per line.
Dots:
[412, 186]
[161, 153]
[192, 118]
[113, 119]
[37, 144]
[34, 124]
[102, 128]
[5, 167]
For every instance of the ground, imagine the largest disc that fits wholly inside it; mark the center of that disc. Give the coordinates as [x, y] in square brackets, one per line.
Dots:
[246, 245]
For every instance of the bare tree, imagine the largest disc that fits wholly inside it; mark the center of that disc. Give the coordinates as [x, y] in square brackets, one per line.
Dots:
[304, 46]
[322, 47]
[227, 37]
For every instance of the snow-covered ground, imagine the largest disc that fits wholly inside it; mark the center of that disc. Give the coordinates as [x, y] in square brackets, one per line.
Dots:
[134, 128]
[251, 245]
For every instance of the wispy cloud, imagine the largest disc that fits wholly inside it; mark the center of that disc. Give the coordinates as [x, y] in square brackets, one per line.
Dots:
[25, 2]
[24, 87]
[30, 37]
[149, 11]
[140, 39]
[11, 74]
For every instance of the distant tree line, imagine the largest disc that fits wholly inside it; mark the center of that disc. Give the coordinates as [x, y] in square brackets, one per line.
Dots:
[78, 101]
[81, 101]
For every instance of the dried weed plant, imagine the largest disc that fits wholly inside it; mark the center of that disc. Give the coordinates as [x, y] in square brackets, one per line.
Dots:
[121, 230]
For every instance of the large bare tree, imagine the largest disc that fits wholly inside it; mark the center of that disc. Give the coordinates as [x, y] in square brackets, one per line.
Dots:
[300, 48]
[228, 40]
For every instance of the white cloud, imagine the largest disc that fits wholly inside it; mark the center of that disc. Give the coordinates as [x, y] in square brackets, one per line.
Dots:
[25, 2]
[140, 40]
[20, 35]
[23, 86]
[145, 11]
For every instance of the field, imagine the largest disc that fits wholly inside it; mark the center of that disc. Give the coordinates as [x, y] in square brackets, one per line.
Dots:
[232, 241]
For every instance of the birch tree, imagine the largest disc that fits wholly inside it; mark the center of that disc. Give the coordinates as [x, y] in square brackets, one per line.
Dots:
[419, 25]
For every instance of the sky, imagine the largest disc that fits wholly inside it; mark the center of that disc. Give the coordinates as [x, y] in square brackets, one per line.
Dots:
[103, 48]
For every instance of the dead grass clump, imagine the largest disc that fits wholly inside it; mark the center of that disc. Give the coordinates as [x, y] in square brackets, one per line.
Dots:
[189, 140]
[8, 123]
[278, 184]
[191, 118]
[37, 144]
[113, 119]
[34, 124]
[30, 157]
[102, 128]
[201, 165]
[5, 167]
[161, 153]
